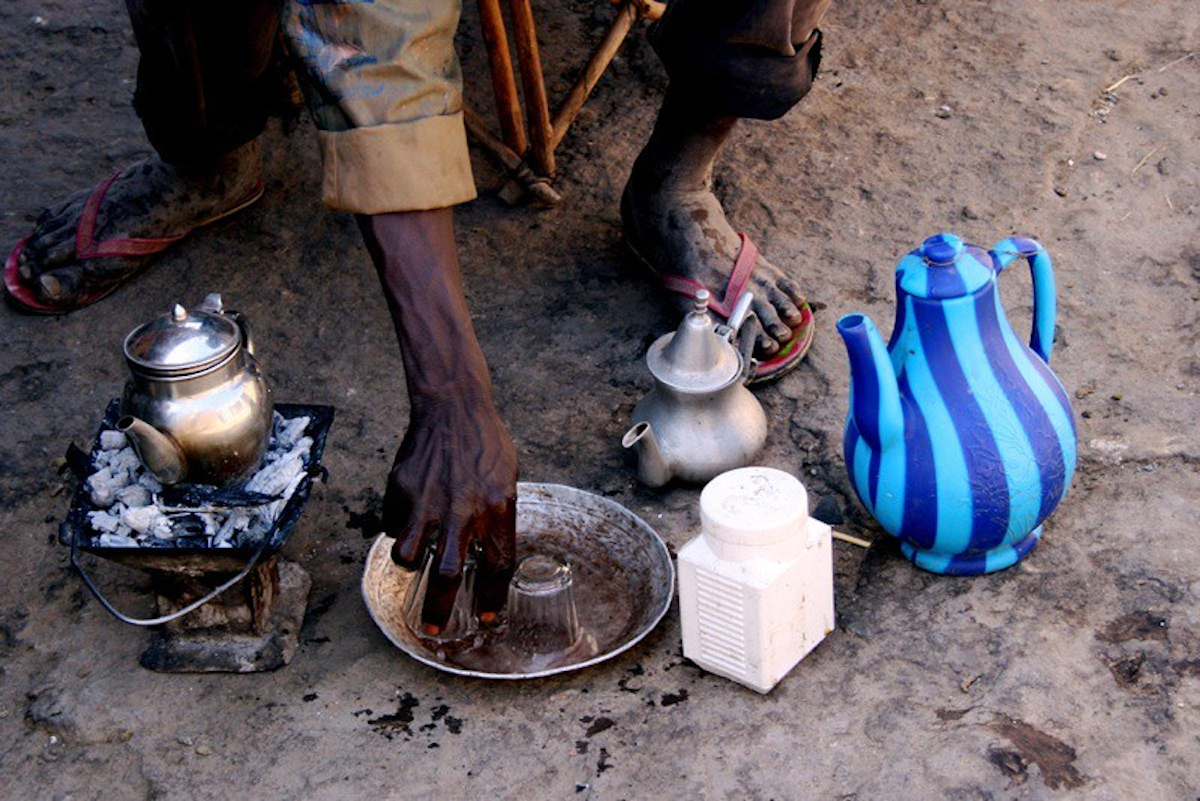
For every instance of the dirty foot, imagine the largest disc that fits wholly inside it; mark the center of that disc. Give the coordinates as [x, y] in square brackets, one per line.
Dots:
[85, 247]
[674, 222]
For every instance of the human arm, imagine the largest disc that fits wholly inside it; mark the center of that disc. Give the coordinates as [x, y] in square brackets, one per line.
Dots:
[453, 483]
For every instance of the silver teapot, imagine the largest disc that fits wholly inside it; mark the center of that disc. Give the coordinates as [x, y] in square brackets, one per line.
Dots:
[700, 419]
[196, 407]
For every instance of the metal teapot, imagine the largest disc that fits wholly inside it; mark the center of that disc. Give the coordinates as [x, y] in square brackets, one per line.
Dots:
[700, 419]
[196, 407]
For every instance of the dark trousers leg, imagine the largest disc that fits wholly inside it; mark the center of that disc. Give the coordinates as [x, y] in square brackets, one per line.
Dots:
[208, 77]
[740, 58]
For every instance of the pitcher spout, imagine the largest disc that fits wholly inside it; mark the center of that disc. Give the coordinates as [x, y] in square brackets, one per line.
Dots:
[160, 454]
[653, 469]
[875, 405]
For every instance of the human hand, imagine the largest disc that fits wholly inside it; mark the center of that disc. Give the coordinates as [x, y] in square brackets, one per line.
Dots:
[452, 489]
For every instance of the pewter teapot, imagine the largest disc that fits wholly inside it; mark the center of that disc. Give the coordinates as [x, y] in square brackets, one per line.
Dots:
[700, 419]
[196, 407]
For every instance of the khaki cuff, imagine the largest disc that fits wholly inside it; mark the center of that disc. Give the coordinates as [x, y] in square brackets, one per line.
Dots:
[407, 166]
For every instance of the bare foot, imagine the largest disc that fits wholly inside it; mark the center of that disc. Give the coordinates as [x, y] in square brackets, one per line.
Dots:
[673, 220]
[150, 199]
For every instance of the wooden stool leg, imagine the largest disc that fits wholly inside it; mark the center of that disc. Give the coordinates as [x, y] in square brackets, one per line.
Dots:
[540, 131]
[602, 56]
[504, 85]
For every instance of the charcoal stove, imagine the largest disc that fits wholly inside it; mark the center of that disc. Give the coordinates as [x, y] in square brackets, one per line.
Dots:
[230, 610]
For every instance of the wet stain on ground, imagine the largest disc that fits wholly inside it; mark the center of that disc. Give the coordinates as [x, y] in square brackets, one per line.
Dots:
[401, 721]
[1126, 671]
[1054, 758]
[1139, 625]
[597, 725]
[603, 763]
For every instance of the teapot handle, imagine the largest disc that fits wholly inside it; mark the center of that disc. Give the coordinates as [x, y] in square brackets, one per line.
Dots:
[1041, 339]
[213, 303]
[743, 326]
[244, 327]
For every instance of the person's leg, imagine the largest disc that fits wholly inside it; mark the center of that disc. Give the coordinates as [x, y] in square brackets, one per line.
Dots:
[383, 83]
[207, 81]
[725, 61]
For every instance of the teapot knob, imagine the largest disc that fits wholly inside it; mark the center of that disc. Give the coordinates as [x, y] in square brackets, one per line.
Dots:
[700, 302]
[178, 313]
[212, 303]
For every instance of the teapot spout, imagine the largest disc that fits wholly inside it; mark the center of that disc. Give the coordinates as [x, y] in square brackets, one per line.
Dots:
[874, 391]
[653, 469]
[160, 454]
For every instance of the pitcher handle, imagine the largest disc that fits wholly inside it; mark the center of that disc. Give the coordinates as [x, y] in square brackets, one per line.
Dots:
[1041, 339]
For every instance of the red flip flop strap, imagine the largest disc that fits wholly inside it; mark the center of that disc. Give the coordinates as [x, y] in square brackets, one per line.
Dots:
[86, 246]
[682, 285]
[742, 269]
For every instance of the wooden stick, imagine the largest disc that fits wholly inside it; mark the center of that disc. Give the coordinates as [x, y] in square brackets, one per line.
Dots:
[1145, 158]
[536, 107]
[537, 187]
[602, 56]
[649, 9]
[837, 535]
[504, 85]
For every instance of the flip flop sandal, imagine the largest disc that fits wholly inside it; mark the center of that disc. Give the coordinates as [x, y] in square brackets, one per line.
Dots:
[793, 351]
[137, 253]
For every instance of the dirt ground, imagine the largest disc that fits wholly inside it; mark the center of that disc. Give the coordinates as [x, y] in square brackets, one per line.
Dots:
[1075, 673]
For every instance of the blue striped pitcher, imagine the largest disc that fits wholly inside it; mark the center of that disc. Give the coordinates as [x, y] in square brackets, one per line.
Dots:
[959, 439]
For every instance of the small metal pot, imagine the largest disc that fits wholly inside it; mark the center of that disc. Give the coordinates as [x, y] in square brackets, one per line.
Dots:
[196, 407]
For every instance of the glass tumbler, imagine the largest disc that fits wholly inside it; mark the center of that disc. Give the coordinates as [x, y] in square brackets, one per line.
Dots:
[463, 624]
[541, 606]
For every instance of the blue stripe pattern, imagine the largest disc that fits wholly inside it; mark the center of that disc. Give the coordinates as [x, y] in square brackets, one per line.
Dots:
[960, 441]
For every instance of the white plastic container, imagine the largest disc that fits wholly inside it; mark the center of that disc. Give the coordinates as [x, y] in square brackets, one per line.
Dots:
[756, 587]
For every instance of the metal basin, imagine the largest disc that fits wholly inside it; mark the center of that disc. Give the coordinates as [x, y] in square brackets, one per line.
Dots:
[624, 581]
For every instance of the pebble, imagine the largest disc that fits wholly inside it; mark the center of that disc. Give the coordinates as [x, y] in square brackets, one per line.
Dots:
[943, 112]
[1099, 155]
[204, 750]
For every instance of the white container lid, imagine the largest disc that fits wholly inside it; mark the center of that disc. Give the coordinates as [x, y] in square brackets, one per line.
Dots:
[753, 507]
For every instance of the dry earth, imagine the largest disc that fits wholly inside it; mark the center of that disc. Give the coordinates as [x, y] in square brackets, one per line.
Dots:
[1075, 673]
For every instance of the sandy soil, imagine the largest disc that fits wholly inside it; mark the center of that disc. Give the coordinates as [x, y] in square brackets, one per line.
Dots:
[1075, 673]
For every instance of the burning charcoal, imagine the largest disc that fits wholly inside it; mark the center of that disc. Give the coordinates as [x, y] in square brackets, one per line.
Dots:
[148, 520]
[103, 486]
[104, 522]
[206, 496]
[135, 509]
[117, 541]
[224, 535]
[113, 440]
[134, 495]
[277, 477]
[287, 433]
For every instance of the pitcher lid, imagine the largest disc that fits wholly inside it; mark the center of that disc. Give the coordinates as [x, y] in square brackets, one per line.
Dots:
[182, 341]
[695, 358]
[944, 267]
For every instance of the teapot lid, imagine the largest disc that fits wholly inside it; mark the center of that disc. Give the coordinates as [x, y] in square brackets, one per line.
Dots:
[944, 267]
[183, 341]
[695, 358]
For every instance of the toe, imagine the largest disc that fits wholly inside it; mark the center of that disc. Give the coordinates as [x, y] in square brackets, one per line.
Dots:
[775, 330]
[787, 309]
[47, 249]
[58, 287]
[800, 309]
